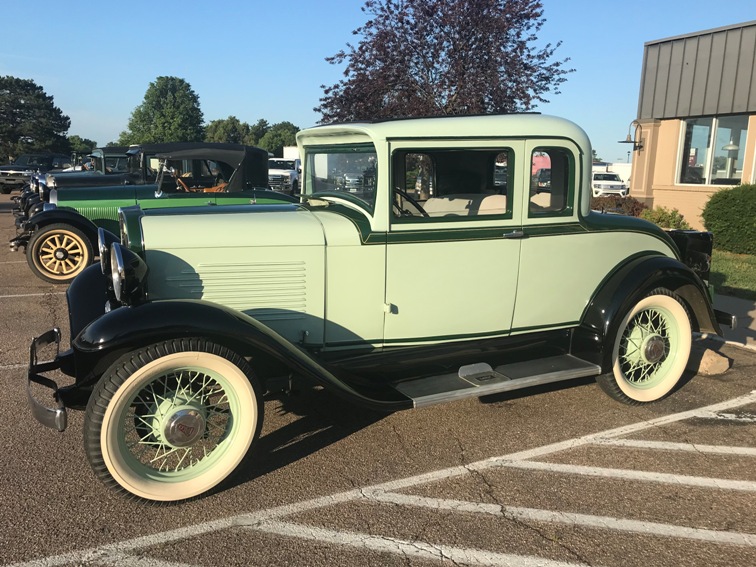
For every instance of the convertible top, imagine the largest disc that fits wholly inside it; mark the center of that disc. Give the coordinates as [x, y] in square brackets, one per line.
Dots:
[250, 164]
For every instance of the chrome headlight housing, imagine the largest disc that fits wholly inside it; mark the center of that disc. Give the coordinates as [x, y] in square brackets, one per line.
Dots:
[117, 271]
[128, 274]
[103, 251]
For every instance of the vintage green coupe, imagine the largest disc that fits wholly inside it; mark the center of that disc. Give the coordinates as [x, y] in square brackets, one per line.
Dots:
[61, 238]
[419, 268]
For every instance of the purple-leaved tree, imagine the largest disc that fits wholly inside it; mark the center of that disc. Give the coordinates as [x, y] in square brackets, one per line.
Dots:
[444, 57]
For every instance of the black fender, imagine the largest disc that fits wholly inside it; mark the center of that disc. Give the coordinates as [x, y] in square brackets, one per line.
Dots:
[623, 288]
[125, 329]
[67, 216]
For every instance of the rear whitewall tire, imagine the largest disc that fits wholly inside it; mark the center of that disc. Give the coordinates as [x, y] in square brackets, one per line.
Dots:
[650, 350]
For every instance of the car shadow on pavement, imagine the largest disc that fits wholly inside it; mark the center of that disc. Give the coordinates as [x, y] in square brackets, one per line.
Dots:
[323, 419]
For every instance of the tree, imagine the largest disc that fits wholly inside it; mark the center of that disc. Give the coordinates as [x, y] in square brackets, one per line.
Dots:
[81, 145]
[29, 119]
[279, 135]
[170, 113]
[257, 131]
[229, 130]
[443, 57]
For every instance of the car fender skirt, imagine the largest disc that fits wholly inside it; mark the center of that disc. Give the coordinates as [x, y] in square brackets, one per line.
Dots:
[624, 287]
[129, 328]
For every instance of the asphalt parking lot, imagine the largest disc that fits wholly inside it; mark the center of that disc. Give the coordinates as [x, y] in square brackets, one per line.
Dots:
[553, 477]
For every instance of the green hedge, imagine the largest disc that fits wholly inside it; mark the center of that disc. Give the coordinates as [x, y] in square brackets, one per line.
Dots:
[666, 218]
[731, 215]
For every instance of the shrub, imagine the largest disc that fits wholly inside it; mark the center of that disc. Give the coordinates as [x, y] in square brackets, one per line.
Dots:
[616, 204]
[731, 215]
[665, 218]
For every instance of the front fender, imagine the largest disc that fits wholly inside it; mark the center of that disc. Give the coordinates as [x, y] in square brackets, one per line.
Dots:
[67, 216]
[125, 329]
[628, 284]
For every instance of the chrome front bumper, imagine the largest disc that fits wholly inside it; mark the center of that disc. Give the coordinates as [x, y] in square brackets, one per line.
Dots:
[53, 417]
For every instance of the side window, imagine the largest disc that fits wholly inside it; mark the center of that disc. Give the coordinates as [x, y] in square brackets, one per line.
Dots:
[551, 184]
[449, 185]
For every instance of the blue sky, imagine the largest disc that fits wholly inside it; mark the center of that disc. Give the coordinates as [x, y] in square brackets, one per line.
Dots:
[254, 59]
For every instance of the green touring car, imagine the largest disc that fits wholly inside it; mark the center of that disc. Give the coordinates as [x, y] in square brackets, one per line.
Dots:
[61, 239]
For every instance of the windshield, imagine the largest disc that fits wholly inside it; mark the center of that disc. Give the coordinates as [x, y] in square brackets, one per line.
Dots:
[348, 171]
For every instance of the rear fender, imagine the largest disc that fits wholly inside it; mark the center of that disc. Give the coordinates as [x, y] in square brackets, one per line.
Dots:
[126, 329]
[628, 284]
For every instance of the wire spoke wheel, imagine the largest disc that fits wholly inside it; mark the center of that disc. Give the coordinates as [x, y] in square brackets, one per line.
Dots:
[651, 349]
[168, 424]
[57, 253]
[646, 345]
[176, 421]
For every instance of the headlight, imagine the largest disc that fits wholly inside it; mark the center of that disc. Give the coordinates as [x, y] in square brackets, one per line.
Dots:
[128, 273]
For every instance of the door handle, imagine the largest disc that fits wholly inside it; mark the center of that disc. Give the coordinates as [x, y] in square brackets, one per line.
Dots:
[515, 234]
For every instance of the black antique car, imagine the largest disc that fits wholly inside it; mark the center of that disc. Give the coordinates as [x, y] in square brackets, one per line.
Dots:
[102, 165]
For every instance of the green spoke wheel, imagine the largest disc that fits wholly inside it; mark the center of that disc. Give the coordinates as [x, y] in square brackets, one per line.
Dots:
[172, 421]
[57, 253]
[650, 351]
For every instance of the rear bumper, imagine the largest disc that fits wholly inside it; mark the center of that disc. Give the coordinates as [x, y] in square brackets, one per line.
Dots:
[724, 318]
[55, 415]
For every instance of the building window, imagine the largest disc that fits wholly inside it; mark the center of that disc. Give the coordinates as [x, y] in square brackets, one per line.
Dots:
[713, 150]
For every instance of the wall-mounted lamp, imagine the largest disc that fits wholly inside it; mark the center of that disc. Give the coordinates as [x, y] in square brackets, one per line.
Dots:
[731, 147]
[637, 134]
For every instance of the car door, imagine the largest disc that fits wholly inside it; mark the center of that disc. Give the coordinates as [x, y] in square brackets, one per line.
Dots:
[452, 258]
[561, 262]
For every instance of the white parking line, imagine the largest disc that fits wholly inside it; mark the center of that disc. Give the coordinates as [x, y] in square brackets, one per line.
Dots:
[625, 474]
[12, 366]
[408, 549]
[556, 517]
[744, 417]
[32, 295]
[685, 447]
[264, 520]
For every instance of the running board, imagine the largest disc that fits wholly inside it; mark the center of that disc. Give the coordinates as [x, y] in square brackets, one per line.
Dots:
[475, 380]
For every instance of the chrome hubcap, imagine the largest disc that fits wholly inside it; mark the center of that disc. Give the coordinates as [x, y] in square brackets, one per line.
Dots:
[654, 348]
[184, 427]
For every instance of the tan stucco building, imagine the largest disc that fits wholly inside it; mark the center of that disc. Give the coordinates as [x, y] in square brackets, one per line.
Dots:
[696, 128]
